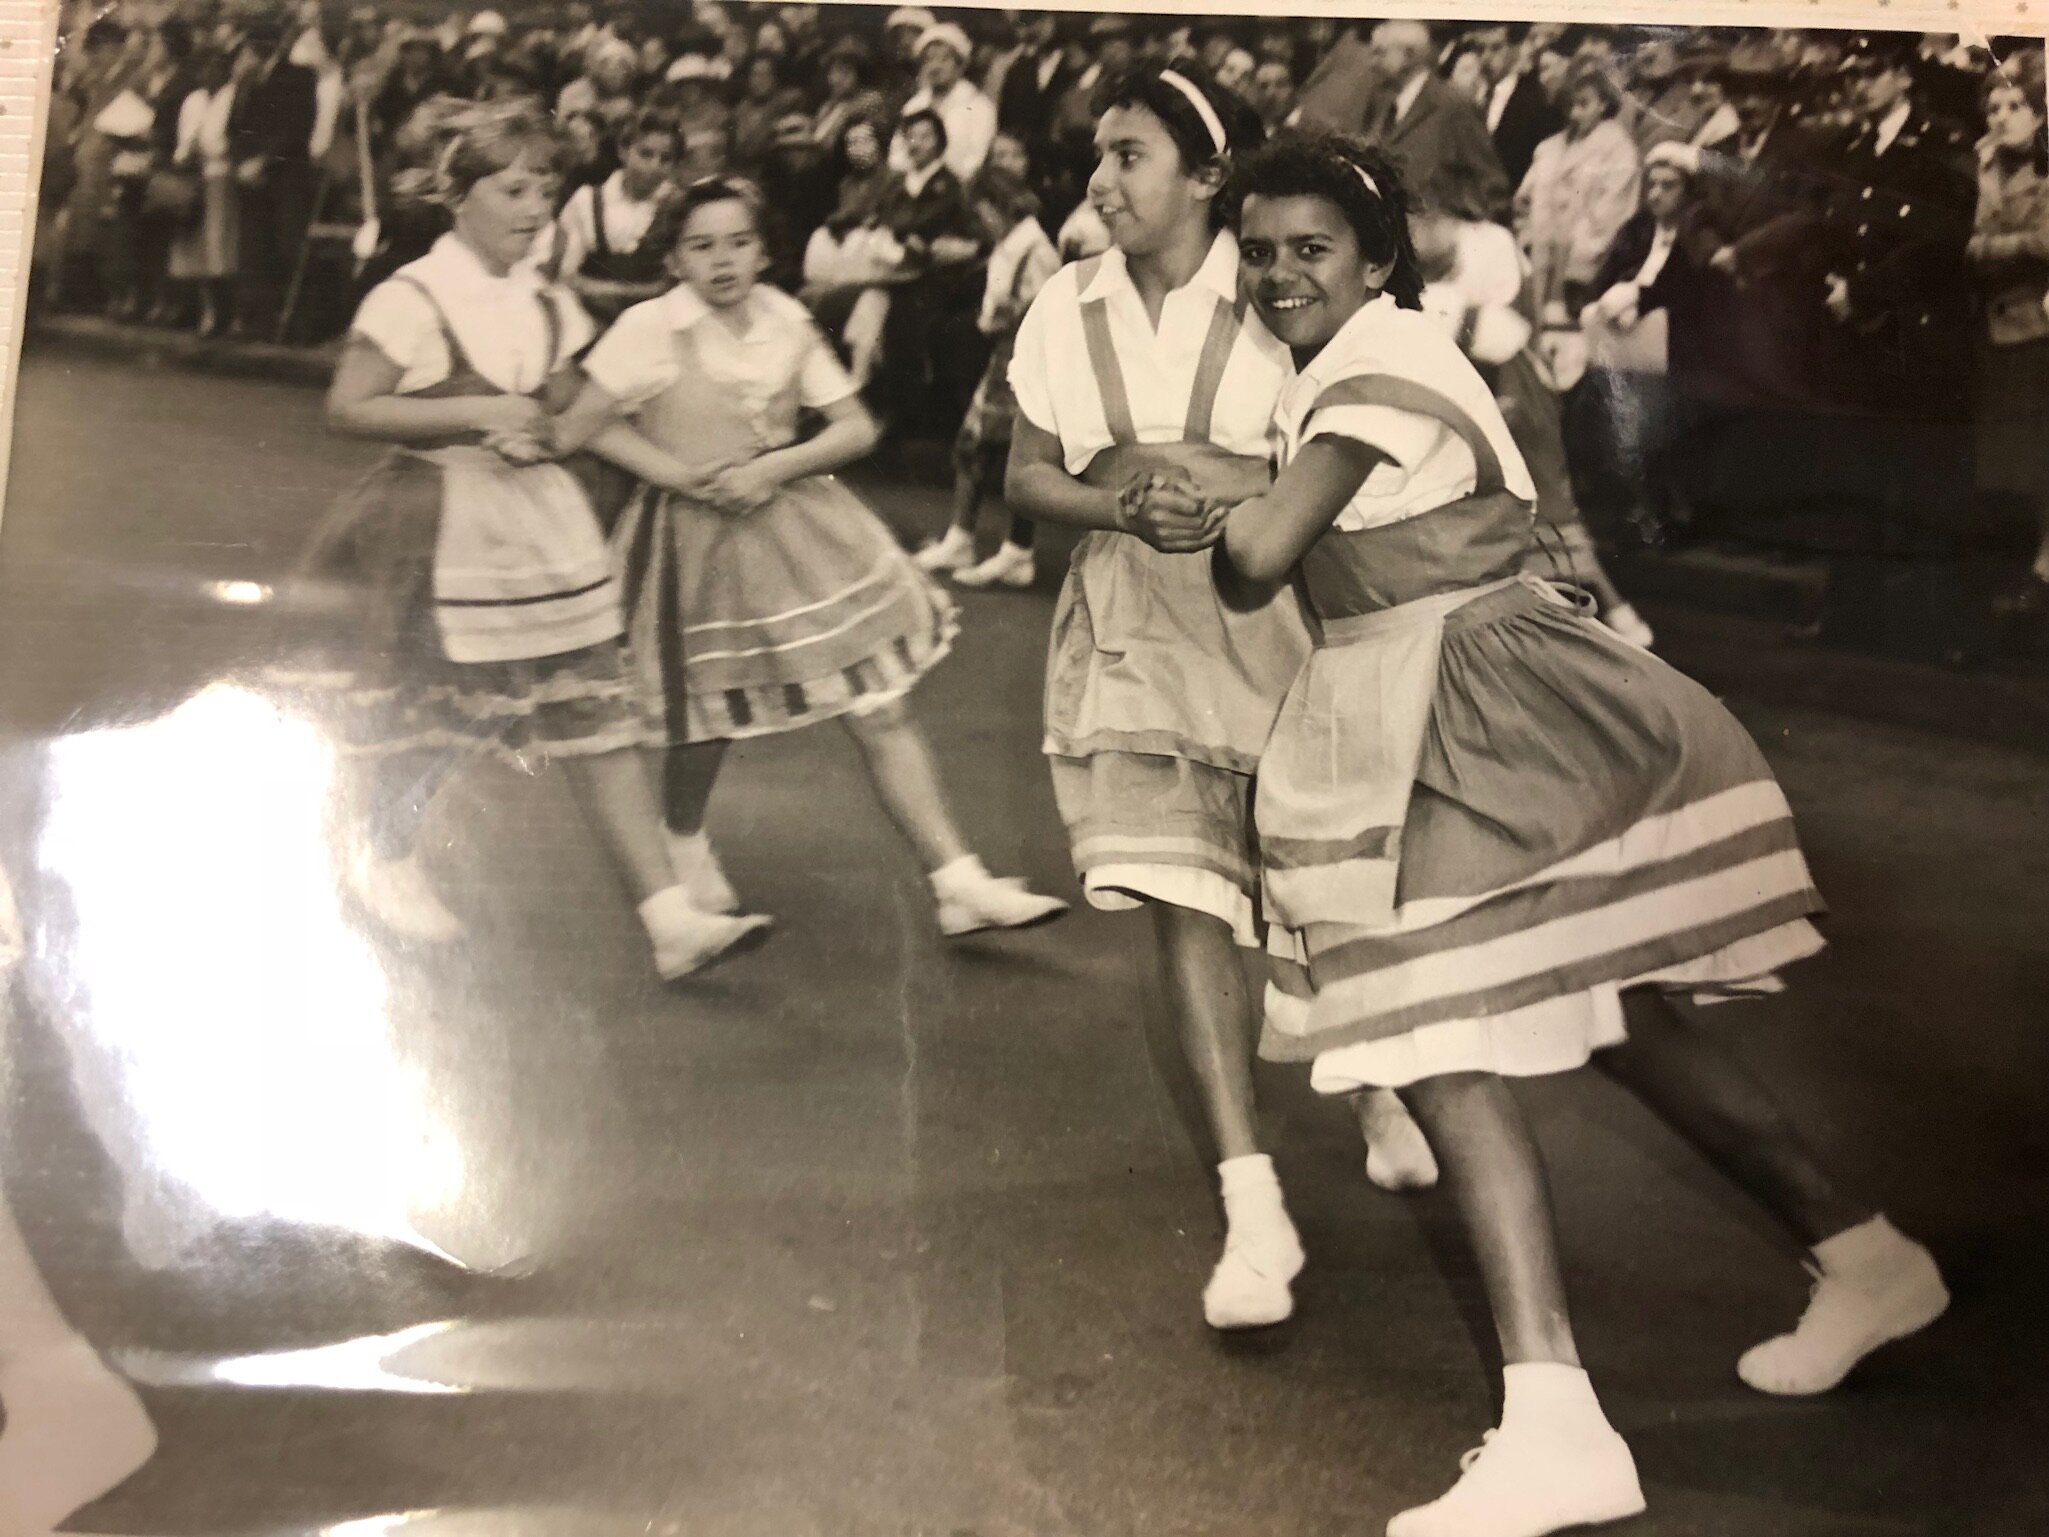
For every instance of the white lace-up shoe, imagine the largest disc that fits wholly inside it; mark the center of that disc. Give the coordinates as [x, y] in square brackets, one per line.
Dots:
[1887, 1289]
[970, 899]
[953, 550]
[1011, 566]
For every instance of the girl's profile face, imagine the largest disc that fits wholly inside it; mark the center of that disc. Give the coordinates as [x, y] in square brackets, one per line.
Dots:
[648, 161]
[719, 253]
[502, 213]
[1140, 189]
[2012, 118]
[1299, 262]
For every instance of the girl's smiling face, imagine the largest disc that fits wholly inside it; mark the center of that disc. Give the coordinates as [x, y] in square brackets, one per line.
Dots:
[1300, 263]
[501, 214]
[719, 253]
[1140, 188]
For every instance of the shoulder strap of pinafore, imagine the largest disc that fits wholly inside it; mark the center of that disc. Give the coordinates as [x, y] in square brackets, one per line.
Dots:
[1217, 345]
[599, 240]
[1407, 395]
[458, 356]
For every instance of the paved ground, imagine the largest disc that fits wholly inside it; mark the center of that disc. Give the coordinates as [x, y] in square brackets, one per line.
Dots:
[874, 1235]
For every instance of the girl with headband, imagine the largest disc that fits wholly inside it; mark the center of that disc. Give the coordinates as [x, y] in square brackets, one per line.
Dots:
[1505, 838]
[1144, 390]
[494, 620]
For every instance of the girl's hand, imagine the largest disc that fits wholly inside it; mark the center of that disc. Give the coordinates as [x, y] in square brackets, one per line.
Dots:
[1165, 512]
[744, 488]
[509, 414]
[521, 448]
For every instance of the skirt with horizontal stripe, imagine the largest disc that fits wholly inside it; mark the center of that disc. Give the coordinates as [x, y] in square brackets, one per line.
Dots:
[748, 626]
[1584, 819]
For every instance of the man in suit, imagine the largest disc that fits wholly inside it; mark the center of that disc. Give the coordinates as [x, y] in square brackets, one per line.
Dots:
[270, 141]
[1027, 82]
[1342, 86]
[1439, 140]
[1520, 112]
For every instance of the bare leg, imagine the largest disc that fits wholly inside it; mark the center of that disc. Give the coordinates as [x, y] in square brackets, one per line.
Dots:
[1697, 1085]
[613, 790]
[900, 766]
[970, 484]
[1217, 1019]
[1496, 1175]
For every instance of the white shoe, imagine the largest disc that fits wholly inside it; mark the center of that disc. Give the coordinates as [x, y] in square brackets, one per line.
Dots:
[686, 940]
[1250, 1288]
[75, 1430]
[699, 873]
[1529, 1482]
[1012, 565]
[1625, 621]
[1398, 1155]
[971, 899]
[952, 551]
[1852, 1310]
[397, 893]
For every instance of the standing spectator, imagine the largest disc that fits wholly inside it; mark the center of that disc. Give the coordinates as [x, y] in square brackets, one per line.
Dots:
[207, 255]
[764, 100]
[1027, 82]
[416, 78]
[848, 95]
[2009, 256]
[270, 135]
[1344, 87]
[896, 72]
[1520, 115]
[1273, 93]
[969, 118]
[1581, 189]
[1434, 138]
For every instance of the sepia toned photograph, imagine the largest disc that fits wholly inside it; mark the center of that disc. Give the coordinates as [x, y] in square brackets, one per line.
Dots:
[829, 771]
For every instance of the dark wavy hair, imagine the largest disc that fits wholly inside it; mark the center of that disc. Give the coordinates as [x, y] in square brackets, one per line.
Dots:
[675, 214]
[1336, 167]
[1142, 86]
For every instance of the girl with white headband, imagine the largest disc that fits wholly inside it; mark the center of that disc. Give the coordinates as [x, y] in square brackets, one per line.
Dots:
[1505, 838]
[1143, 387]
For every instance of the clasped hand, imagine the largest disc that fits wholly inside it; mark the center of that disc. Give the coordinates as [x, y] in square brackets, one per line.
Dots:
[1163, 508]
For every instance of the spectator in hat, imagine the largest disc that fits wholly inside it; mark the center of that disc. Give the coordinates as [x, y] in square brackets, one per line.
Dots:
[848, 95]
[606, 86]
[896, 72]
[945, 91]
[1520, 113]
[2009, 260]
[1582, 187]
[1433, 137]
[1659, 106]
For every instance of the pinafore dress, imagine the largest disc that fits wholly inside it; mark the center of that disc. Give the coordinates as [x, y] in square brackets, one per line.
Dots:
[1159, 698]
[482, 614]
[801, 611]
[1482, 814]
[643, 264]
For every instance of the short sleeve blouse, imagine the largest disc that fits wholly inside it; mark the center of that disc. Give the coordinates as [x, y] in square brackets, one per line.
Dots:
[638, 359]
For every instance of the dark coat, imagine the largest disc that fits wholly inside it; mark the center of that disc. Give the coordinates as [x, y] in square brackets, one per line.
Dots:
[273, 115]
[1445, 155]
[1528, 119]
[1022, 107]
[1685, 289]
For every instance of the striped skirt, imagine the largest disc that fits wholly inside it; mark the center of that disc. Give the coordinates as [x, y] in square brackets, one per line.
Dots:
[1583, 819]
[753, 625]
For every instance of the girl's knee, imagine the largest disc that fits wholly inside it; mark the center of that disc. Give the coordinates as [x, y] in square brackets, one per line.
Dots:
[882, 720]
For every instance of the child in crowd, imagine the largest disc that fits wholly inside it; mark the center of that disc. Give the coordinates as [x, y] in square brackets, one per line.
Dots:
[604, 255]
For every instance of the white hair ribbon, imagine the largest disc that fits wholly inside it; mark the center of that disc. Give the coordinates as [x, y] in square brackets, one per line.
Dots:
[1203, 109]
[1366, 176]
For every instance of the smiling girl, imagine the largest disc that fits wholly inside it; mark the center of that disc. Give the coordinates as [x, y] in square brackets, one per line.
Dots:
[493, 621]
[1505, 836]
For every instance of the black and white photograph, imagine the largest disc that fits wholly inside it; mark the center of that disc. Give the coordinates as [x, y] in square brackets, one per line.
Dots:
[828, 771]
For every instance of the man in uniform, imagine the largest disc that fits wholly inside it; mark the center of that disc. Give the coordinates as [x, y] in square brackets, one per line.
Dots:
[1898, 348]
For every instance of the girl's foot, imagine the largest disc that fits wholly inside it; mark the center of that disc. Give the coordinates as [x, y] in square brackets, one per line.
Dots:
[687, 940]
[1249, 1289]
[1013, 565]
[698, 872]
[397, 893]
[1554, 1464]
[1398, 1155]
[971, 899]
[74, 1431]
[1625, 621]
[1872, 1285]
[952, 551]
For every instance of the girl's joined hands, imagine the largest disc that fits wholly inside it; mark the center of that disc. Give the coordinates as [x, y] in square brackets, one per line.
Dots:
[1163, 509]
[739, 489]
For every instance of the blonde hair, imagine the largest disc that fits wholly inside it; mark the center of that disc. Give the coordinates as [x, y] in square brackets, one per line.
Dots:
[462, 142]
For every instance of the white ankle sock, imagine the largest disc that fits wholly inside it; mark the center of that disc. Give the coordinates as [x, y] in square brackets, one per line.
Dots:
[670, 904]
[1547, 1393]
[966, 868]
[1859, 1246]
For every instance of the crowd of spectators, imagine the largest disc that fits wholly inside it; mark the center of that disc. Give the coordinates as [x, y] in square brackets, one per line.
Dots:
[1774, 268]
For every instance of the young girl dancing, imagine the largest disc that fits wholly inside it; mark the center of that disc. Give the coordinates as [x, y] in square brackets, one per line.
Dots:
[762, 595]
[1505, 836]
[494, 619]
[1142, 386]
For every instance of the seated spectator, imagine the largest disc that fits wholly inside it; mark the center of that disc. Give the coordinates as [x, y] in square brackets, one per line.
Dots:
[1272, 92]
[1431, 133]
[691, 95]
[606, 85]
[967, 117]
[1582, 187]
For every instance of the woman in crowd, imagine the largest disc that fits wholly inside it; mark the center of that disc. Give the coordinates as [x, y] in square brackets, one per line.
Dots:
[205, 254]
[1581, 189]
[2009, 253]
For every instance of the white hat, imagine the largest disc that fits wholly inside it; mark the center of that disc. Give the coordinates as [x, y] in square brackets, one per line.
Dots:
[691, 66]
[487, 24]
[946, 32]
[913, 16]
[127, 116]
[1684, 158]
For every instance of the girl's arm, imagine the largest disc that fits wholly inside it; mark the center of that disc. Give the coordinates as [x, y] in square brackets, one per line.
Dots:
[849, 433]
[1036, 484]
[363, 401]
[593, 420]
[1266, 537]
